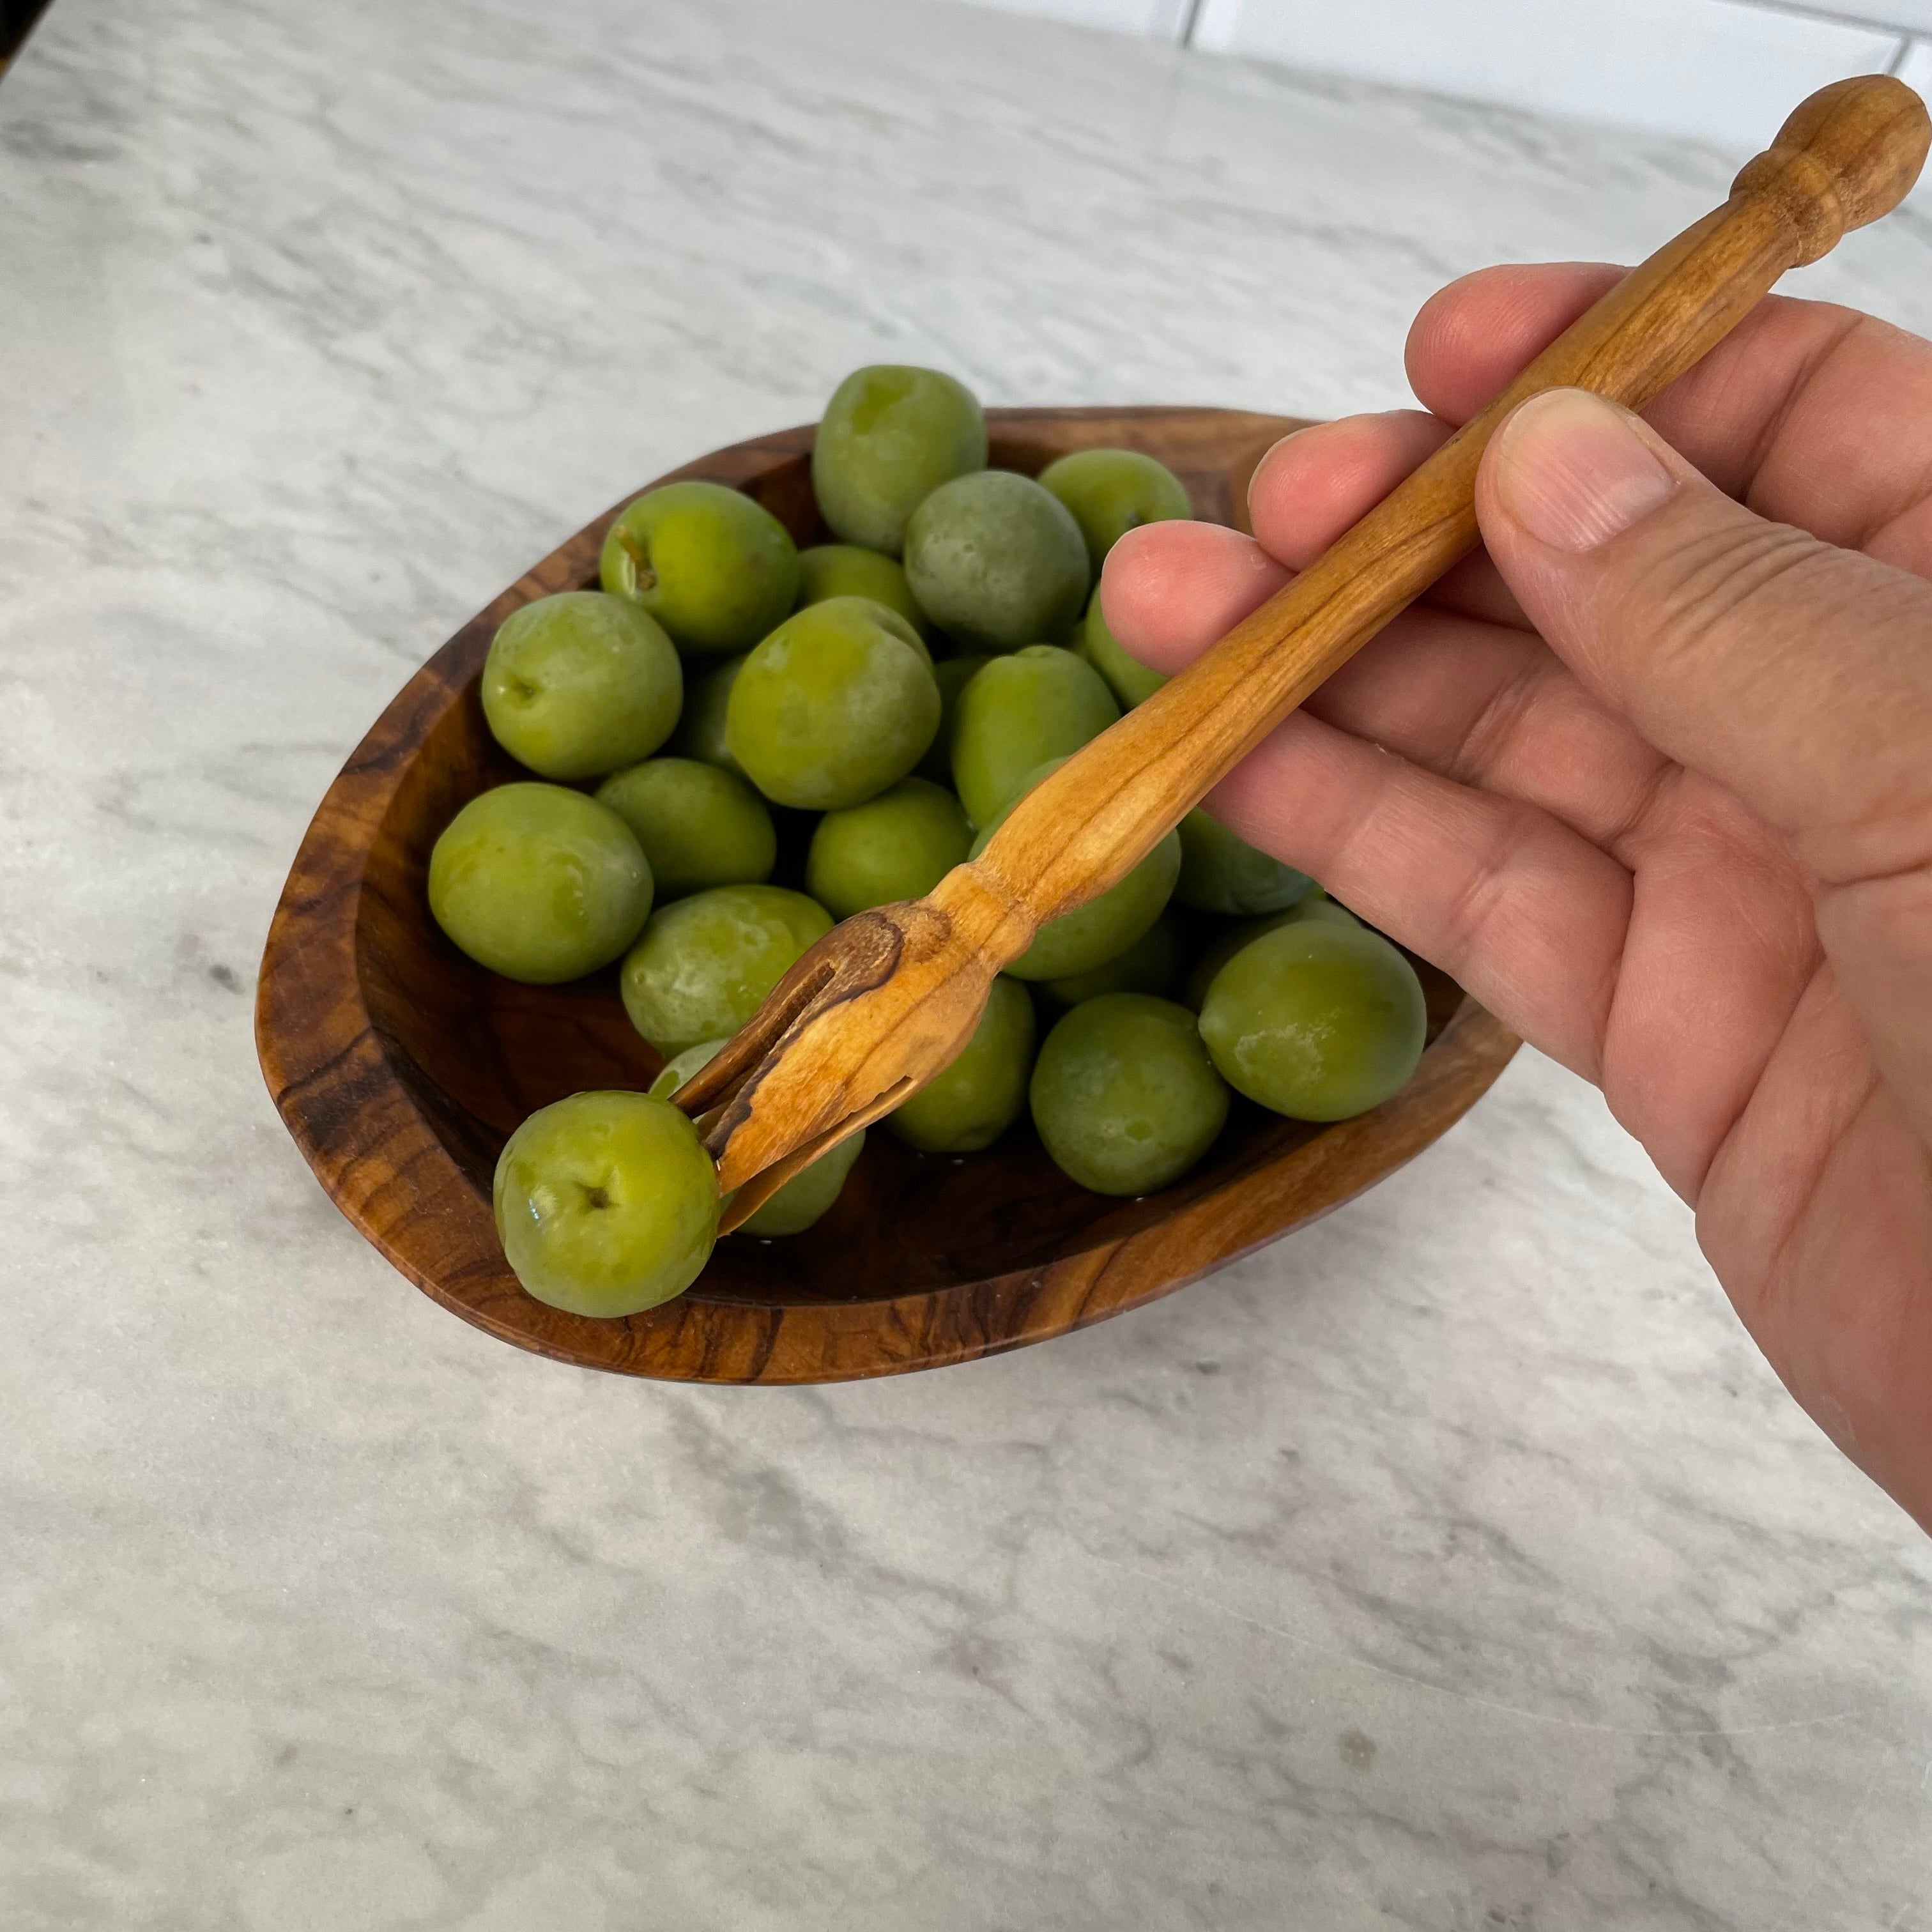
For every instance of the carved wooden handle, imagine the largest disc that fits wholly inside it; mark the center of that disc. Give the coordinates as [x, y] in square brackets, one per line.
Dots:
[1849, 155]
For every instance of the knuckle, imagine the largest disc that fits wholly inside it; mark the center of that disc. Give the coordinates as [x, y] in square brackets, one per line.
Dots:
[1484, 746]
[1710, 583]
[1469, 911]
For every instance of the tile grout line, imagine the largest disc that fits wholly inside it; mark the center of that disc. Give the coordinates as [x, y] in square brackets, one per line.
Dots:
[1797, 10]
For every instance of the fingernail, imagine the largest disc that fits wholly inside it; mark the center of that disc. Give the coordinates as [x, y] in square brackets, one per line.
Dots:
[1568, 467]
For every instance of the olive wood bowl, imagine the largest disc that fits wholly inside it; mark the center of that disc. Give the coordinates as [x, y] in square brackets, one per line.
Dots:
[400, 1067]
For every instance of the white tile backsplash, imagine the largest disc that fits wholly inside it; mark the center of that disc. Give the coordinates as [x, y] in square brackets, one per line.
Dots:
[1874, 13]
[1710, 68]
[1721, 70]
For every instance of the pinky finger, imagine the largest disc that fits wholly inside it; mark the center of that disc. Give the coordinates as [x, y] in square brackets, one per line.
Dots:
[1522, 912]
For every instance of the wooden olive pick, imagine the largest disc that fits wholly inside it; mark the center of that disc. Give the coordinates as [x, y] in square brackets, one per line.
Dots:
[884, 1002]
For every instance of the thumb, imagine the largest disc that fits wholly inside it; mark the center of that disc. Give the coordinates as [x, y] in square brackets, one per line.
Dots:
[1796, 674]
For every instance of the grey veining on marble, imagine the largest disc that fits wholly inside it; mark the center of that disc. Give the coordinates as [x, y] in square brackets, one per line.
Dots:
[1455, 1564]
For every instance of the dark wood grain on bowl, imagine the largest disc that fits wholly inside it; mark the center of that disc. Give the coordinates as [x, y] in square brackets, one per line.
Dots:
[399, 1067]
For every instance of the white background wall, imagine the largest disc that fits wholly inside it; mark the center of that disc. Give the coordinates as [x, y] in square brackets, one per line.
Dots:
[1722, 71]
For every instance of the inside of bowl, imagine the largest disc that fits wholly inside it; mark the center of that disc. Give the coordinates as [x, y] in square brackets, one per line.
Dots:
[478, 1053]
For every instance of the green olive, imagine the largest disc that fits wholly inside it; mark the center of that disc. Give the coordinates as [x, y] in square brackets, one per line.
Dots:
[847, 570]
[872, 609]
[715, 568]
[1226, 943]
[832, 707]
[1124, 1094]
[1222, 873]
[897, 846]
[606, 1203]
[1318, 905]
[705, 964]
[685, 1066]
[701, 732]
[1103, 928]
[890, 436]
[1129, 679]
[1112, 491]
[1152, 964]
[976, 1098]
[700, 825]
[539, 883]
[1020, 712]
[952, 675]
[804, 1198]
[807, 1197]
[1316, 1020]
[580, 684]
[996, 562]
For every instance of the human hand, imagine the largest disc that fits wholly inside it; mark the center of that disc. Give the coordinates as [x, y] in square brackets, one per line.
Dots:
[1651, 775]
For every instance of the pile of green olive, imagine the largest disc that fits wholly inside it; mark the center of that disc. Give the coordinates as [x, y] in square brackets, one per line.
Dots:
[871, 707]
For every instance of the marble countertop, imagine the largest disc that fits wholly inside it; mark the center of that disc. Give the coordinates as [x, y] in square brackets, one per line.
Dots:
[1455, 1564]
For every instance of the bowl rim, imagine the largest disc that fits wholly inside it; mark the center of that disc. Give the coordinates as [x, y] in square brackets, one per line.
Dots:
[380, 1159]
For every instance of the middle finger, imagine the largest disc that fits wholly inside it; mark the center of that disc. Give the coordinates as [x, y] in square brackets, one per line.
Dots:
[1313, 484]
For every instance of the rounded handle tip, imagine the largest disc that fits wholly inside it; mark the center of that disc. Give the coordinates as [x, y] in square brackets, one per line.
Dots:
[1847, 155]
